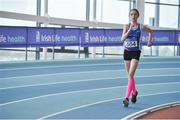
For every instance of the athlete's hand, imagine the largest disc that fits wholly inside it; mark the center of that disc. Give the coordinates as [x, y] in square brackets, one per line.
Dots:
[131, 27]
[149, 44]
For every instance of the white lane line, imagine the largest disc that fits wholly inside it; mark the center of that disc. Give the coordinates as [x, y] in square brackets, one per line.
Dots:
[61, 66]
[71, 60]
[84, 80]
[66, 73]
[80, 91]
[61, 93]
[82, 72]
[63, 82]
[89, 59]
[83, 65]
[160, 57]
[99, 102]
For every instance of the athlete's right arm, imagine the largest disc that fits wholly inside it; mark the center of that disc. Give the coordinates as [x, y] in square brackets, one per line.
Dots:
[125, 32]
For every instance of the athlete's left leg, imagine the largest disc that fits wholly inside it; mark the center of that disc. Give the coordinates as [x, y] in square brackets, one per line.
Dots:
[132, 70]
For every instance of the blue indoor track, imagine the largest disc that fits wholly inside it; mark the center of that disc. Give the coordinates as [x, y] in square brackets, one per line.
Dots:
[84, 88]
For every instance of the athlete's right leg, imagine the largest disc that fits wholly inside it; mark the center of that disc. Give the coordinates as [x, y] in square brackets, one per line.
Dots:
[129, 85]
[127, 64]
[132, 70]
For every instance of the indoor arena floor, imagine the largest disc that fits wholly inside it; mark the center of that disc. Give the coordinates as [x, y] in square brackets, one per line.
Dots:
[84, 88]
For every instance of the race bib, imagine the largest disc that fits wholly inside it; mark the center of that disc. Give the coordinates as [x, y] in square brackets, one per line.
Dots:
[128, 44]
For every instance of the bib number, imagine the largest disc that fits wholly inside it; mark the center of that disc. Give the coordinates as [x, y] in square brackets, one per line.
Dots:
[130, 44]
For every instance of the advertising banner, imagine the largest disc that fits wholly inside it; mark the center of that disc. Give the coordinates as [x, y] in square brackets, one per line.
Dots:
[178, 37]
[44, 36]
[92, 37]
[40, 37]
[113, 37]
[67, 37]
[160, 37]
[13, 36]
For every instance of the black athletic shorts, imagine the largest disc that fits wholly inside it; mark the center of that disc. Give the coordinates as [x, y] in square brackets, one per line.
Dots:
[129, 55]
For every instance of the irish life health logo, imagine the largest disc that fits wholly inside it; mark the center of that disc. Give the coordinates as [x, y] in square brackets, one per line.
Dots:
[38, 36]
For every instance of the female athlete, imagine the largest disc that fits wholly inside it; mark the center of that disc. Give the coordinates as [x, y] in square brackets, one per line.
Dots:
[131, 38]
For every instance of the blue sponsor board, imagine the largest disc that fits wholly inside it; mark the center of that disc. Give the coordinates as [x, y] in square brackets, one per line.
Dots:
[160, 37]
[92, 37]
[67, 37]
[113, 37]
[43, 36]
[40, 36]
[13, 36]
[178, 37]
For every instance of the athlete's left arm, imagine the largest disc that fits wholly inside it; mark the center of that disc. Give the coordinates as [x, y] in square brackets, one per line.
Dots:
[149, 30]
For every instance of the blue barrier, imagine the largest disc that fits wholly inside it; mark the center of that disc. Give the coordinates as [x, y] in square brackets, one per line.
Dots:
[44, 36]
[161, 37]
[177, 37]
[13, 36]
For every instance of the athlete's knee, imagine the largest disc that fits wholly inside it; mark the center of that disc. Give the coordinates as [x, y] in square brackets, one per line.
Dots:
[130, 76]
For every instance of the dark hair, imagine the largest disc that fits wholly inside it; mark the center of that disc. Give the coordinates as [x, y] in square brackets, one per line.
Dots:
[134, 9]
